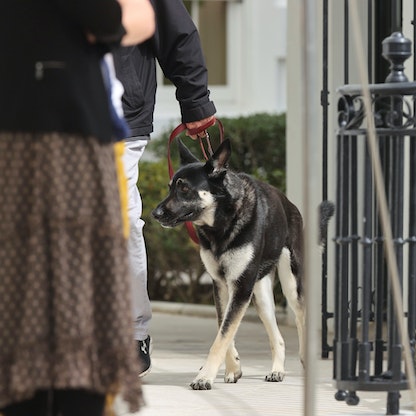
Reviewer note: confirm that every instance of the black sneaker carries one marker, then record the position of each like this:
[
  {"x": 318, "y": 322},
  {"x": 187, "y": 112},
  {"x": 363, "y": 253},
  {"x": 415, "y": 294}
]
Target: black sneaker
[{"x": 144, "y": 350}]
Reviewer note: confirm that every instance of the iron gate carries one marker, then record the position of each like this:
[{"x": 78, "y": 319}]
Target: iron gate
[{"x": 367, "y": 346}]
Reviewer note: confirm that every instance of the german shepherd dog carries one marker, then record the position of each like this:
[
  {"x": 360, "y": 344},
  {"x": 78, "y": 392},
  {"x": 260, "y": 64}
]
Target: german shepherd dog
[{"x": 247, "y": 230}]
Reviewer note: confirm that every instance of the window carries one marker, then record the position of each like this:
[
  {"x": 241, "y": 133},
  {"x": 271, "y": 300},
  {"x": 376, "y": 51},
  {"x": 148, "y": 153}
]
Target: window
[
  {"x": 219, "y": 23},
  {"x": 210, "y": 17}
]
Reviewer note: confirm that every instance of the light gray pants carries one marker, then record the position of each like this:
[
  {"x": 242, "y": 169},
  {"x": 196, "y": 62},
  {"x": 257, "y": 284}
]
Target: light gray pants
[{"x": 142, "y": 311}]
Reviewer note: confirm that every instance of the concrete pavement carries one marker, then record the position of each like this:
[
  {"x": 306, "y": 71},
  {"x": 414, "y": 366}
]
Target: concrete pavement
[{"x": 182, "y": 335}]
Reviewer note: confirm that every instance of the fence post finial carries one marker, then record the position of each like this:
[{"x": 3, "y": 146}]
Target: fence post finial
[{"x": 396, "y": 49}]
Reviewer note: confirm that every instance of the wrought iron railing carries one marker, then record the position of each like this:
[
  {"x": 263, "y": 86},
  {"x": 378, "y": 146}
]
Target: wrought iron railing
[{"x": 367, "y": 344}]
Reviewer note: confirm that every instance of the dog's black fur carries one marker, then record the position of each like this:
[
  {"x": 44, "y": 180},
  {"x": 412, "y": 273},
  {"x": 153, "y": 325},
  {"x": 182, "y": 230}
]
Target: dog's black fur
[{"x": 247, "y": 230}]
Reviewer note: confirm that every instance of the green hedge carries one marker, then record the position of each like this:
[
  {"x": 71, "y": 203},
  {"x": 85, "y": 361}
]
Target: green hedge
[
  {"x": 258, "y": 145},
  {"x": 175, "y": 269}
]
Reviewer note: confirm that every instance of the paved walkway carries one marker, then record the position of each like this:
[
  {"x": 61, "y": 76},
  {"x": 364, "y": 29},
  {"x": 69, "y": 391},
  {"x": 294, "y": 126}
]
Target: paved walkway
[{"x": 180, "y": 344}]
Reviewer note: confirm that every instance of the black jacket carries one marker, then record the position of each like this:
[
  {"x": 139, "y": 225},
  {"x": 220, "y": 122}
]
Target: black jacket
[
  {"x": 50, "y": 77},
  {"x": 176, "y": 46}
]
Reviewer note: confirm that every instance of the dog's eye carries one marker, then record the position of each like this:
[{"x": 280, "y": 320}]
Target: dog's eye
[{"x": 182, "y": 186}]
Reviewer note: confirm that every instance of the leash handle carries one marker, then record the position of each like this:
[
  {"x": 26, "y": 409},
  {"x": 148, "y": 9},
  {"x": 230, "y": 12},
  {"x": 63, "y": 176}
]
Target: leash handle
[
  {"x": 175, "y": 133},
  {"x": 193, "y": 132},
  {"x": 182, "y": 127}
]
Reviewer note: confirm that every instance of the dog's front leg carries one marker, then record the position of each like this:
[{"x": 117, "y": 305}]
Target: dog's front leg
[
  {"x": 223, "y": 342},
  {"x": 232, "y": 365},
  {"x": 232, "y": 359}
]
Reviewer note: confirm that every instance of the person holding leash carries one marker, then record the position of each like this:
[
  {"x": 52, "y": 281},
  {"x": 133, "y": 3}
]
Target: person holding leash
[
  {"x": 176, "y": 46},
  {"x": 65, "y": 313}
]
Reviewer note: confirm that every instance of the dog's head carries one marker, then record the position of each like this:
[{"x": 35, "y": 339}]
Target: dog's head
[{"x": 194, "y": 189}]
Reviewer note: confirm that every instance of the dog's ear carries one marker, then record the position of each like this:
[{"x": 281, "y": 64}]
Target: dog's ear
[
  {"x": 185, "y": 154},
  {"x": 218, "y": 162}
]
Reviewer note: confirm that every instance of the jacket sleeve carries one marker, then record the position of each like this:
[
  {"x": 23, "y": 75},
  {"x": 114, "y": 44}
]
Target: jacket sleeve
[
  {"x": 178, "y": 50},
  {"x": 102, "y": 18}
]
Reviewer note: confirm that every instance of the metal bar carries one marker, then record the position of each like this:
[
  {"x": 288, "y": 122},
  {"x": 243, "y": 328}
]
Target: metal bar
[
  {"x": 380, "y": 280},
  {"x": 396, "y": 16},
  {"x": 396, "y": 210},
  {"x": 370, "y": 11},
  {"x": 343, "y": 346},
  {"x": 414, "y": 39},
  {"x": 367, "y": 244},
  {"x": 325, "y": 348},
  {"x": 337, "y": 256},
  {"x": 354, "y": 316},
  {"x": 411, "y": 318},
  {"x": 411, "y": 304},
  {"x": 346, "y": 42},
  {"x": 401, "y": 88}
]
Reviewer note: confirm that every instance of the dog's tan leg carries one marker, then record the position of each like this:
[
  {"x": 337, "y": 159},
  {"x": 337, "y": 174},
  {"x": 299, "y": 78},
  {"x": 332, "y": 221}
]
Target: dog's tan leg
[
  {"x": 224, "y": 339},
  {"x": 264, "y": 301},
  {"x": 232, "y": 360},
  {"x": 232, "y": 365},
  {"x": 232, "y": 299},
  {"x": 290, "y": 290}
]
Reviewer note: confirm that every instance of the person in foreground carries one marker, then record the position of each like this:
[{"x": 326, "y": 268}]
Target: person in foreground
[
  {"x": 176, "y": 46},
  {"x": 65, "y": 312}
]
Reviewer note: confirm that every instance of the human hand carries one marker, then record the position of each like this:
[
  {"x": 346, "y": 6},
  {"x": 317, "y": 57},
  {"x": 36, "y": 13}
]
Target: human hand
[{"x": 198, "y": 128}]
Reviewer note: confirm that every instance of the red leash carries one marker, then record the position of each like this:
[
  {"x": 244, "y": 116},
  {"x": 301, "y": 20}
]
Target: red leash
[{"x": 176, "y": 132}]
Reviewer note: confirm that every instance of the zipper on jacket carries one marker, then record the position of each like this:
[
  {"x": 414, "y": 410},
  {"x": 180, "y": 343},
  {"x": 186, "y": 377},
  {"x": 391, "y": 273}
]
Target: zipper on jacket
[{"x": 40, "y": 67}]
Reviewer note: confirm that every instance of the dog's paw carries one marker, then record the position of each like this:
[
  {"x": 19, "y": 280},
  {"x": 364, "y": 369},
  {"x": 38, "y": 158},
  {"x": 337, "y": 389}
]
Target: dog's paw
[
  {"x": 201, "y": 384},
  {"x": 275, "y": 376},
  {"x": 233, "y": 377}
]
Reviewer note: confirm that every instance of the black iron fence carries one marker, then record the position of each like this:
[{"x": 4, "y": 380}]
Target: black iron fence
[
  {"x": 382, "y": 17},
  {"x": 366, "y": 345}
]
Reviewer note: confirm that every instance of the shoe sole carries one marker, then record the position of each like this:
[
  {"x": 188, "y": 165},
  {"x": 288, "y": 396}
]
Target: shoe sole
[{"x": 146, "y": 372}]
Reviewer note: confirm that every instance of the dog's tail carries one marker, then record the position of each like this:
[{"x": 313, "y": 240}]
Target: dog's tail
[{"x": 326, "y": 211}]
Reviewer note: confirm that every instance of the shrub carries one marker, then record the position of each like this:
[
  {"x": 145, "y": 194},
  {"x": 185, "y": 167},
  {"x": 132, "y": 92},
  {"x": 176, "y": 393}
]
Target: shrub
[{"x": 258, "y": 145}]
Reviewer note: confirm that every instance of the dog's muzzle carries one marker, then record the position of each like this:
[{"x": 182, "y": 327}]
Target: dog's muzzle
[
  {"x": 169, "y": 219},
  {"x": 164, "y": 217},
  {"x": 159, "y": 214}
]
